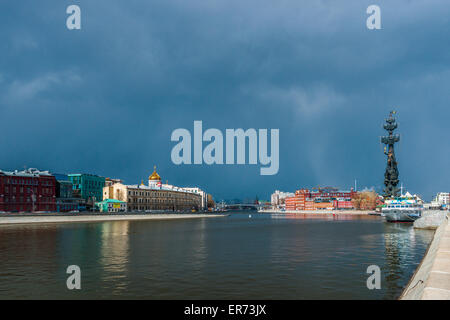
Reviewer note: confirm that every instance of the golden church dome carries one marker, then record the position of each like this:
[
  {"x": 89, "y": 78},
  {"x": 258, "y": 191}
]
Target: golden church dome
[{"x": 154, "y": 175}]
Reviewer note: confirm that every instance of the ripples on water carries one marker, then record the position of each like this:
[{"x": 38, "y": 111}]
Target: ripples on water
[{"x": 237, "y": 257}]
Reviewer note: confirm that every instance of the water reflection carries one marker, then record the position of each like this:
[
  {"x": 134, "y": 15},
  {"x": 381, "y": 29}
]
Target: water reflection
[
  {"x": 238, "y": 257},
  {"x": 114, "y": 253},
  {"x": 401, "y": 241},
  {"x": 199, "y": 249}
]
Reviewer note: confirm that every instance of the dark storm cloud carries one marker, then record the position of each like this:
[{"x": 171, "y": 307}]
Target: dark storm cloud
[{"x": 105, "y": 99}]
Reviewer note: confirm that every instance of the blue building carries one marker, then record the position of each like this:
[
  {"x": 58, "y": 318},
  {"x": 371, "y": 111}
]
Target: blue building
[
  {"x": 88, "y": 187},
  {"x": 65, "y": 201}
]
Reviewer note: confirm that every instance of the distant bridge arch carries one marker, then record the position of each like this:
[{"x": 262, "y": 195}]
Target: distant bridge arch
[{"x": 243, "y": 207}]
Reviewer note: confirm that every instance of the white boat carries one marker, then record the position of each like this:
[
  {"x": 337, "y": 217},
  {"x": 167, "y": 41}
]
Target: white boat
[{"x": 402, "y": 209}]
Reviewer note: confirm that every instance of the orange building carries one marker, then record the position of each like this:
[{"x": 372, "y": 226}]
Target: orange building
[
  {"x": 309, "y": 204},
  {"x": 290, "y": 203},
  {"x": 322, "y": 199},
  {"x": 323, "y": 206}
]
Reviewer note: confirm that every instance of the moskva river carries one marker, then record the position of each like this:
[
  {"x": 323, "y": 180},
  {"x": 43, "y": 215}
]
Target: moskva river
[{"x": 261, "y": 256}]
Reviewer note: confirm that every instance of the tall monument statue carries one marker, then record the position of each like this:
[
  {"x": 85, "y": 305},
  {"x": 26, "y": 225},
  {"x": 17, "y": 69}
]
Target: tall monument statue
[{"x": 391, "y": 174}]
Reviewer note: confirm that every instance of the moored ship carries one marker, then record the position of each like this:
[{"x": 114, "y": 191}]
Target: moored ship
[{"x": 402, "y": 209}]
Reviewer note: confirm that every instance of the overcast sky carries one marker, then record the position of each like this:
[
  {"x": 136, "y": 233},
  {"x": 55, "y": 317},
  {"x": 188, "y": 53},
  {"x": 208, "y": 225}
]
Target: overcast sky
[{"x": 105, "y": 99}]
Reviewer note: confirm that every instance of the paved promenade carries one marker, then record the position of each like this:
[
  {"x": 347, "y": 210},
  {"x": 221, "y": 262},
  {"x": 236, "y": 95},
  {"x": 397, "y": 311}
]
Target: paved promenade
[
  {"x": 432, "y": 278},
  {"x": 9, "y": 220}
]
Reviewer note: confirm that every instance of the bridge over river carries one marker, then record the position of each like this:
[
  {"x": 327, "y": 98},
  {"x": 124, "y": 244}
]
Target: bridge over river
[{"x": 243, "y": 207}]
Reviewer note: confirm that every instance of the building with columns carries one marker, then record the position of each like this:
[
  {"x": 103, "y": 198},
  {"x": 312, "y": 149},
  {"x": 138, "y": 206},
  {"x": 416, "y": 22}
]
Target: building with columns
[{"x": 154, "y": 196}]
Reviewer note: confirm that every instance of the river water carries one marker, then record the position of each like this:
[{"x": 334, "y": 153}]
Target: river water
[{"x": 261, "y": 256}]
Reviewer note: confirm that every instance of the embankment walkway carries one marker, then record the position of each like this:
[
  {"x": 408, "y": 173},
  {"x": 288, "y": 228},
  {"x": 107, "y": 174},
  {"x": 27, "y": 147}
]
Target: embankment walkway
[{"x": 431, "y": 280}]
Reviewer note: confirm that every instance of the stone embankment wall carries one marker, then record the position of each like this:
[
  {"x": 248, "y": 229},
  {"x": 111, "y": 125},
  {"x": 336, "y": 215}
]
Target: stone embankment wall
[{"x": 431, "y": 281}]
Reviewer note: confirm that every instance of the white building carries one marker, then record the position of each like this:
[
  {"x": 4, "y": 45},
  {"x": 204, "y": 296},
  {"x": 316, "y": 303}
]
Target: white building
[
  {"x": 155, "y": 196},
  {"x": 442, "y": 198},
  {"x": 277, "y": 198},
  {"x": 203, "y": 194},
  {"x": 413, "y": 196}
]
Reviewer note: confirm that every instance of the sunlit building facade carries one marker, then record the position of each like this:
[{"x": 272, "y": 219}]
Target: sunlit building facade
[
  {"x": 321, "y": 199},
  {"x": 277, "y": 198},
  {"x": 154, "y": 196}
]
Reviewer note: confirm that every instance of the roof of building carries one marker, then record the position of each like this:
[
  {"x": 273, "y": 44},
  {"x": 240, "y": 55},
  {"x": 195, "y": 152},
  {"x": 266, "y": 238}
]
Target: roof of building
[
  {"x": 407, "y": 194},
  {"x": 30, "y": 172},
  {"x": 61, "y": 177},
  {"x": 85, "y": 174},
  {"x": 163, "y": 187},
  {"x": 154, "y": 176},
  {"x": 111, "y": 200}
]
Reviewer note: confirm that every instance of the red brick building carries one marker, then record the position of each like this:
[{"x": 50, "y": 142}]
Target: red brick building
[
  {"x": 323, "y": 198},
  {"x": 30, "y": 190}
]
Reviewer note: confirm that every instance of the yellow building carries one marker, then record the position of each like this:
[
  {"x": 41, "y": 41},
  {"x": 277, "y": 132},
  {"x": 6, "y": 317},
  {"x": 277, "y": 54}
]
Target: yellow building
[{"x": 154, "y": 196}]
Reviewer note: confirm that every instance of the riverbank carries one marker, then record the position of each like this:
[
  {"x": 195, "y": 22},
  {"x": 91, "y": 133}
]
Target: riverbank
[
  {"x": 55, "y": 218},
  {"x": 431, "y": 281}
]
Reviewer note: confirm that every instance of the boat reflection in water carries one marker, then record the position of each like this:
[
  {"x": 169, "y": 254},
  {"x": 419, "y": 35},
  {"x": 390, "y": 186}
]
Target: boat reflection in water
[{"x": 401, "y": 241}]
